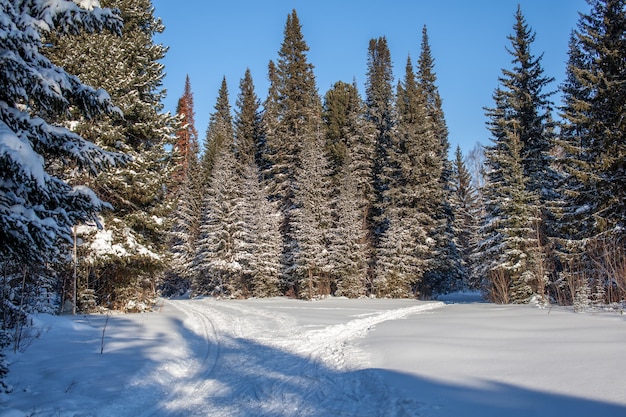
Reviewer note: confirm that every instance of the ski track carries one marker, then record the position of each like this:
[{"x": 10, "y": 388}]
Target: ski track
[{"x": 261, "y": 363}]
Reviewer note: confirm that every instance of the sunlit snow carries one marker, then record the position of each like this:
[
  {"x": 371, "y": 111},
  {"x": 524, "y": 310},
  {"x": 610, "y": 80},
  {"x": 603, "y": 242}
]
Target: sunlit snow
[{"x": 336, "y": 357}]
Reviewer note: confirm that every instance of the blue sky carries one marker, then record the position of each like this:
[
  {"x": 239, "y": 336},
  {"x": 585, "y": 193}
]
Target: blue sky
[{"x": 212, "y": 39}]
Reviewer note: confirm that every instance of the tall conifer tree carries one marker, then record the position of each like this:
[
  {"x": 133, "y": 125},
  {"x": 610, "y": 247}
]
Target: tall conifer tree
[
  {"x": 466, "y": 207},
  {"x": 292, "y": 119},
  {"x": 594, "y": 143},
  {"x": 350, "y": 140},
  {"x": 445, "y": 273},
  {"x": 128, "y": 67},
  {"x": 380, "y": 112},
  {"x": 248, "y": 128},
  {"x": 412, "y": 195},
  {"x": 186, "y": 134},
  {"x": 219, "y": 134}
]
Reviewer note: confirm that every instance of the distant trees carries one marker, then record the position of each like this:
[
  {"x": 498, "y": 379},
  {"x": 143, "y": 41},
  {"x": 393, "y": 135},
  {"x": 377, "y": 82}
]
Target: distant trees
[{"x": 310, "y": 195}]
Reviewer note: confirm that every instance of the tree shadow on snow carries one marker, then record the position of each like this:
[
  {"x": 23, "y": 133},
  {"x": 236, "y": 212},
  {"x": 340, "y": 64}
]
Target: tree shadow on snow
[{"x": 242, "y": 378}]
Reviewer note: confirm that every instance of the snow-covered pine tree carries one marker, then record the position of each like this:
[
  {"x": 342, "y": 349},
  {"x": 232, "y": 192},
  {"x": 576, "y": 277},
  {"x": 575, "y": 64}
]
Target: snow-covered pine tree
[
  {"x": 521, "y": 129},
  {"x": 262, "y": 241},
  {"x": 467, "y": 213},
  {"x": 530, "y": 106},
  {"x": 186, "y": 135},
  {"x": 446, "y": 271},
  {"x": 220, "y": 134},
  {"x": 249, "y": 135},
  {"x": 292, "y": 117},
  {"x": 349, "y": 245},
  {"x": 508, "y": 251},
  {"x": 218, "y": 267},
  {"x": 187, "y": 193},
  {"x": 380, "y": 112},
  {"x": 128, "y": 68},
  {"x": 311, "y": 222},
  {"x": 594, "y": 144},
  {"x": 37, "y": 207},
  {"x": 412, "y": 195},
  {"x": 350, "y": 140}
]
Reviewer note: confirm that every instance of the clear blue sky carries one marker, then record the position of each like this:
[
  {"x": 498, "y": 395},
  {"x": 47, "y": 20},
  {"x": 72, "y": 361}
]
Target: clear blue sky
[{"x": 212, "y": 39}]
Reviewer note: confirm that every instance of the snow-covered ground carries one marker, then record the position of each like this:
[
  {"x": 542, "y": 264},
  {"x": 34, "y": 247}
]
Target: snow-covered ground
[{"x": 336, "y": 357}]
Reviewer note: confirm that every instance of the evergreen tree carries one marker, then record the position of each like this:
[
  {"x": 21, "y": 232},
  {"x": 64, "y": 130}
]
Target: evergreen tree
[
  {"x": 510, "y": 245},
  {"x": 262, "y": 241},
  {"x": 311, "y": 223},
  {"x": 261, "y": 221},
  {"x": 349, "y": 245},
  {"x": 594, "y": 148},
  {"x": 593, "y": 111},
  {"x": 219, "y": 134},
  {"x": 220, "y": 253},
  {"x": 38, "y": 207},
  {"x": 516, "y": 202},
  {"x": 529, "y": 105},
  {"x": 248, "y": 126},
  {"x": 128, "y": 68},
  {"x": 350, "y": 144},
  {"x": 187, "y": 191},
  {"x": 186, "y": 134},
  {"x": 292, "y": 118},
  {"x": 446, "y": 272},
  {"x": 466, "y": 207},
  {"x": 379, "y": 110},
  {"x": 412, "y": 195},
  {"x": 508, "y": 250}
]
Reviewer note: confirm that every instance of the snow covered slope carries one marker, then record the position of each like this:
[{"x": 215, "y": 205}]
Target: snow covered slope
[{"x": 336, "y": 357}]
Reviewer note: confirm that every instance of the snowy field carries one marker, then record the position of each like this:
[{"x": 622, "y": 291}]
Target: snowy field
[{"x": 336, "y": 357}]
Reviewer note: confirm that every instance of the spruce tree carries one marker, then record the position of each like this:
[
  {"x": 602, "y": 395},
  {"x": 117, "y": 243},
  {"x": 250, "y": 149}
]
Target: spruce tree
[
  {"x": 186, "y": 134},
  {"x": 379, "y": 103},
  {"x": 292, "y": 118},
  {"x": 594, "y": 146},
  {"x": 128, "y": 68},
  {"x": 446, "y": 272},
  {"x": 262, "y": 241},
  {"x": 466, "y": 207},
  {"x": 311, "y": 223},
  {"x": 186, "y": 189},
  {"x": 593, "y": 112},
  {"x": 350, "y": 144},
  {"x": 38, "y": 207},
  {"x": 521, "y": 129},
  {"x": 262, "y": 244},
  {"x": 349, "y": 244},
  {"x": 219, "y": 134},
  {"x": 248, "y": 127},
  {"x": 412, "y": 195},
  {"x": 220, "y": 251},
  {"x": 507, "y": 253}
]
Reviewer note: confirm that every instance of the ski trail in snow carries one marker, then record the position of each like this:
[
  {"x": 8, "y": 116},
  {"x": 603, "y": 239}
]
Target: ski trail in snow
[
  {"x": 294, "y": 372},
  {"x": 328, "y": 344},
  {"x": 241, "y": 360}
]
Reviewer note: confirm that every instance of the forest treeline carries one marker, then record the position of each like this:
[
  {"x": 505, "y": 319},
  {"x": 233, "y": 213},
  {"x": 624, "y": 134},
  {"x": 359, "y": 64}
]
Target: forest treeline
[{"x": 106, "y": 201}]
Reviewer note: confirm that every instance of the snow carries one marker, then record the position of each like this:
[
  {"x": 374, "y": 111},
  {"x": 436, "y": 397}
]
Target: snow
[
  {"x": 22, "y": 154},
  {"x": 334, "y": 357}
]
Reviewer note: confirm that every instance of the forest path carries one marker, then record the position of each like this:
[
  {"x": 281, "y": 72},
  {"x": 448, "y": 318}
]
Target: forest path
[{"x": 261, "y": 361}]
